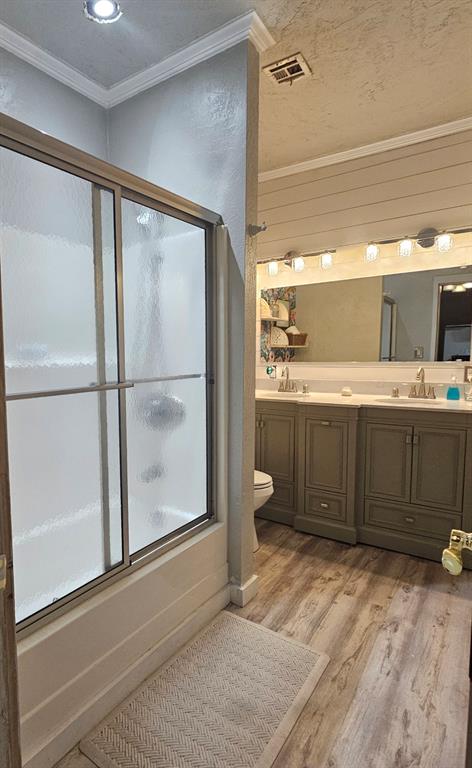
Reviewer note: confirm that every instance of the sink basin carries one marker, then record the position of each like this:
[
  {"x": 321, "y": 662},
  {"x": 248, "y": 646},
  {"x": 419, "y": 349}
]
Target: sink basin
[
  {"x": 283, "y": 395},
  {"x": 407, "y": 401}
]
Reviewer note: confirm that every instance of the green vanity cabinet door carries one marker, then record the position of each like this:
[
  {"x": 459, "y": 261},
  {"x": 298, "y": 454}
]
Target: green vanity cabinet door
[
  {"x": 438, "y": 467},
  {"x": 388, "y": 461},
  {"x": 326, "y": 451},
  {"x": 277, "y": 445}
]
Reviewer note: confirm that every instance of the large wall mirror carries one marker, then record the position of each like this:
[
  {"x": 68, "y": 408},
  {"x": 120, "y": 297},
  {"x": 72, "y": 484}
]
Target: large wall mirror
[{"x": 413, "y": 315}]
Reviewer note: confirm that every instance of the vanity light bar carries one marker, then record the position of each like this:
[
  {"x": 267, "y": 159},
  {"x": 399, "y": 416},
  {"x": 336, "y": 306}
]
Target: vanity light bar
[
  {"x": 372, "y": 252},
  {"x": 442, "y": 241},
  {"x": 405, "y": 247}
]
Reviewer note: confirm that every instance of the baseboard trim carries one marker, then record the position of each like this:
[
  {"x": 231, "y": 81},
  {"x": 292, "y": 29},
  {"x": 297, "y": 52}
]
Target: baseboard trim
[
  {"x": 330, "y": 530},
  {"x": 241, "y": 594},
  {"x": 60, "y": 742},
  {"x": 275, "y": 514},
  {"x": 401, "y": 542}
]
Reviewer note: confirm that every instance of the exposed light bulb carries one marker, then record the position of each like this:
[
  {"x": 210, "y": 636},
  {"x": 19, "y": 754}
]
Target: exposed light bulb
[
  {"x": 459, "y": 289},
  {"x": 102, "y": 11},
  {"x": 326, "y": 260},
  {"x": 273, "y": 268},
  {"x": 405, "y": 247},
  {"x": 372, "y": 252},
  {"x": 298, "y": 264},
  {"x": 104, "y": 8},
  {"x": 444, "y": 242},
  {"x": 448, "y": 287}
]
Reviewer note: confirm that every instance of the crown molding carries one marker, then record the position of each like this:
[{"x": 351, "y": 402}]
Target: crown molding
[
  {"x": 396, "y": 142},
  {"x": 23, "y": 48},
  {"x": 246, "y": 27}
]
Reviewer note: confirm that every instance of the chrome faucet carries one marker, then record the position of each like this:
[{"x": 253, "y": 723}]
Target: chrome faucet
[
  {"x": 286, "y": 385},
  {"x": 420, "y": 378},
  {"x": 420, "y": 392}
]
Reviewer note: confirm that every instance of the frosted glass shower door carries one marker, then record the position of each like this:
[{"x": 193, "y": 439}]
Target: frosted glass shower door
[
  {"x": 164, "y": 287},
  {"x": 58, "y": 285}
]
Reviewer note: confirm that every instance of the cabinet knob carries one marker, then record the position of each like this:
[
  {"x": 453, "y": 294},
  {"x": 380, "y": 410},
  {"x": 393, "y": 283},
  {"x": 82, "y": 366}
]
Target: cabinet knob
[
  {"x": 409, "y": 519},
  {"x": 324, "y": 505},
  {"x": 325, "y": 423}
]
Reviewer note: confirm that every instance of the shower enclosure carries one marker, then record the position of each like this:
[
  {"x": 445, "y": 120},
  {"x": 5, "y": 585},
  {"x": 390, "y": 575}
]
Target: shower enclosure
[{"x": 107, "y": 287}]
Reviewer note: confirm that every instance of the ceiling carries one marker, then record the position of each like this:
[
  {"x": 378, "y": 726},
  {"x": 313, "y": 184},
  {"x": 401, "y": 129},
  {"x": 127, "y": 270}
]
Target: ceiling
[{"x": 380, "y": 67}]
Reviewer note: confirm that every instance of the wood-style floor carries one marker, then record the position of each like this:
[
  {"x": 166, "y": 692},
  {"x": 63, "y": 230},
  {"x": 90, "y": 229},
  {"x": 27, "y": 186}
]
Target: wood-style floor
[{"x": 397, "y": 630}]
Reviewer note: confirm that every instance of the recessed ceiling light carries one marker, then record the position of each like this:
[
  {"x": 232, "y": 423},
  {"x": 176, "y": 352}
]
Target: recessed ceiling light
[{"x": 102, "y": 11}]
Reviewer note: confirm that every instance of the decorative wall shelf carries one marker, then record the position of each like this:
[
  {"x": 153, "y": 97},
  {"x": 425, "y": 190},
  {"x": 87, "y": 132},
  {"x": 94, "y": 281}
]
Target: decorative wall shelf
[
  {"x": 281, "y": 323},
  {"x": 289, "y": 346}
]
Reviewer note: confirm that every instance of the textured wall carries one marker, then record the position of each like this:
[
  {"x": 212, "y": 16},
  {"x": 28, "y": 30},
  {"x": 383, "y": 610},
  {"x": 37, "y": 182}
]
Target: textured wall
[
  {"x": 381, "y": 68},
  {"x": 35, "y": 98},
  {"x": 351, "y": 331}
]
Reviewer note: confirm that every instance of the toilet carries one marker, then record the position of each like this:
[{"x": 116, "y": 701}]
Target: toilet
[{"x": 263, "y": 490}]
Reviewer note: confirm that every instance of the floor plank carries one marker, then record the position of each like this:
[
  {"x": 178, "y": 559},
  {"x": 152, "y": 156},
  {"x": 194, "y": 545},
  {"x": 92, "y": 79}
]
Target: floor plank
[{"x": 397, "y": 629}]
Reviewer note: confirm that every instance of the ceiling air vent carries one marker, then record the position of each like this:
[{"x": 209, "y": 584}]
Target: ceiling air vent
[{"x": 289, "y": 69}]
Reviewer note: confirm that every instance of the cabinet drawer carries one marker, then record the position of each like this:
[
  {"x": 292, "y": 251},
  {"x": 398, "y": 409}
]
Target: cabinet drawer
[
  {"x": 414, "y": 520},
  {"x": 284, "y": 495},
  {"x": 325, "y": 505}
]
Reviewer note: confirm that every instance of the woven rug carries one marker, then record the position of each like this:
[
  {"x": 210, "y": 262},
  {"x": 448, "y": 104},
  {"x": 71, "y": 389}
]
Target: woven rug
[{"x": 228, "y": 699}]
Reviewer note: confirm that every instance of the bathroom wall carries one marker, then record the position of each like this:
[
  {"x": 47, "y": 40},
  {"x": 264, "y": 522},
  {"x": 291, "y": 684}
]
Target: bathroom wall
[
  {"x": 31, "y": 96},
  {"x": 352, "y": 331},
  {"x": 196, "y": 135},
  {"x": 414, "y": 295},
  {"x": 386, "y": 195}
]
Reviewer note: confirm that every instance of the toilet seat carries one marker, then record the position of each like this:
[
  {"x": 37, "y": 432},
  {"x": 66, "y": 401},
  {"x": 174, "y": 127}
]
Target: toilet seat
[{"x": 261, "y": 480}]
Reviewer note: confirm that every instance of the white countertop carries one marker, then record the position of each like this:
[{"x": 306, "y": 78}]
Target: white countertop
[{"x": 362, "y": 401}]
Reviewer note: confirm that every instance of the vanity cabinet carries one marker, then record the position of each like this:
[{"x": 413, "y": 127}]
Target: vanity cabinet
[
  {"x": 275, "y": 454},
  {"x": 412, "y": 485},
  {"x": 438, "y": 467},
  {"x": 326, "y": 444},
  {"x": 417, "y": 465},
  {"x": 326, "y": 471},
  {"x": 388, "y": 454},
  {"x": 396, "y": 478}
]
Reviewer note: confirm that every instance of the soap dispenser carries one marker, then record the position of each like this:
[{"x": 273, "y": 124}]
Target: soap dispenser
[{"x": 453, "y": 391}]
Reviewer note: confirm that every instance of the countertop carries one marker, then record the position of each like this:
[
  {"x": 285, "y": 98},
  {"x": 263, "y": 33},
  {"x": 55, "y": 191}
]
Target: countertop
[{"x": 365, "y": 401}]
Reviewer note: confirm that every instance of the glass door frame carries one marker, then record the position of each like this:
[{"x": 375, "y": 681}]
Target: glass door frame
[{"x": 29, "y": 142}]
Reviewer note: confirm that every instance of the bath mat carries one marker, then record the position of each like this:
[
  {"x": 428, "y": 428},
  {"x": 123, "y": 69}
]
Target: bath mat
[{"x": 228, "y": 699}]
